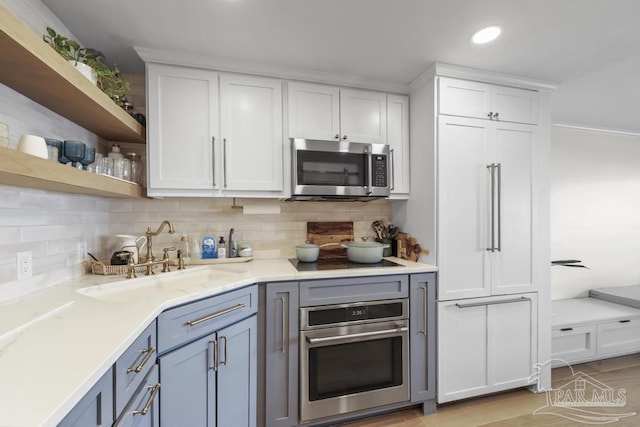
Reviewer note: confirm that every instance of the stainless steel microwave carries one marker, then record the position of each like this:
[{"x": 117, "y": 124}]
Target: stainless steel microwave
[{"x": 339, "y": 169}]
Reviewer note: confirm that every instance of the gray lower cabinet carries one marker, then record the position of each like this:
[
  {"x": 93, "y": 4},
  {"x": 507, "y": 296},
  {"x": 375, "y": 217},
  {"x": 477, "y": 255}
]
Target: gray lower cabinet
[
  {"x": 95, "y": 408},
  {"x": 422, "y": 338},
  {"x": 211, "y": 381},
  {"x": 279, "y": 350},
  {"x": 143, "y": 409}
]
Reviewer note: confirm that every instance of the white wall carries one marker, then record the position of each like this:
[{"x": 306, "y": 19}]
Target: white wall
[{"x": 595, "y": 210}]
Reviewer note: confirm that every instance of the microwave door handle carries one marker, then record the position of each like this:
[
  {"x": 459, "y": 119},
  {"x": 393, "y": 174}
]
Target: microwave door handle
[{"x": 367, "y": 151}]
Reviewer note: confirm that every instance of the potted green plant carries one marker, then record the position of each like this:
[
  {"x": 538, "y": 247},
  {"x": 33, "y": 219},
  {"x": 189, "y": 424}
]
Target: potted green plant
[
  {"x": 109, "y": 80},
  {"x": 71, "y": 51}
]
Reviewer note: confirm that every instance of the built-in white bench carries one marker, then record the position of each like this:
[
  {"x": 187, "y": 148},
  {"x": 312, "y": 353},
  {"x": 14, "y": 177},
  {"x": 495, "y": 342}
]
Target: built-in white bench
[{"x": 586, "y": 329}]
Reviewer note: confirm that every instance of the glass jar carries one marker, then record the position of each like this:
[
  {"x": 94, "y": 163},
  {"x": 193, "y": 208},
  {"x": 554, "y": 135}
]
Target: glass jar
[
  {"x": 135, "y": 167},
  {"x": 126, "y": 169},
  {"x": 118, "y": 168}
]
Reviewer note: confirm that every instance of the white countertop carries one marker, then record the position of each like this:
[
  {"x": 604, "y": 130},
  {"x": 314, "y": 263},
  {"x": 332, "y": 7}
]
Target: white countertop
[{"x": 57, "y": 342}]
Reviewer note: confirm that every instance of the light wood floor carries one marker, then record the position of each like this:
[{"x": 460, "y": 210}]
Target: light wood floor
[{"x": 516, "y": 408}]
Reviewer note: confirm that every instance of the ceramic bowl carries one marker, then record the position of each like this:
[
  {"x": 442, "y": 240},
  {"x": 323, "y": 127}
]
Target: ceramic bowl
[{"x": 33, "y": 145}]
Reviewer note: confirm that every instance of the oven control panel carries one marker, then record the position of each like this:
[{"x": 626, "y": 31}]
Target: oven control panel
[{"x": 341, "y": 314}]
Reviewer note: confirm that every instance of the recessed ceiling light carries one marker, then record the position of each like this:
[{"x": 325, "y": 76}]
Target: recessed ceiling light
[{"x": 486, "y": 35}]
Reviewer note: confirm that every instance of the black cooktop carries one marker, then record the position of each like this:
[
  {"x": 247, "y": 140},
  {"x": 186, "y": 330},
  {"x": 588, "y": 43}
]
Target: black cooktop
[{"x": 337, "y": 264}]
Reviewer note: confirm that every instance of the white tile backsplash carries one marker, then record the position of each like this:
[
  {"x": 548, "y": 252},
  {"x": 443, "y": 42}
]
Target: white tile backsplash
[{"x": 272, "y": 235}]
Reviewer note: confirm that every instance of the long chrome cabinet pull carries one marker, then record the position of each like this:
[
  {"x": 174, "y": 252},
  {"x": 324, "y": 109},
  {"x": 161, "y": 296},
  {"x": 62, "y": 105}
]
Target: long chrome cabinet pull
[
  {"x": 393, "y": 170},
  {"x": 424, "y": 310},
  {"x": 214, "y": 315},
  {"x": 494, "y": 208},
  {"x": 358, "y": 335},
  {"x": 226, "y": 344},
  {"x": 147, "y": 406},
  {"x": 499, "y": 191},
  {"x": 482, "y": 304},
  {"x": 212, "y": 348},
  {"x": 149, "y": 351},
  {"x": 283, "y": 347},
  {"x": 492, "y": 168},
  {"x": 224, "y": 161},
  {"x": 213, "y": 159}
]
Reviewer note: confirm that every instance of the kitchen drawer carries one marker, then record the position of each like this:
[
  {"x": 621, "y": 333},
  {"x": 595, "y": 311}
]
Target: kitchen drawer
[
  {"x": 338, "y": 291},
  {"x": 143, "y": 410},
  {"x": 616, "y": 338},
  {"x": 573, "y": 344},
  {"x": 186, "y": 323},
  {"x": 133, "y": 366}
]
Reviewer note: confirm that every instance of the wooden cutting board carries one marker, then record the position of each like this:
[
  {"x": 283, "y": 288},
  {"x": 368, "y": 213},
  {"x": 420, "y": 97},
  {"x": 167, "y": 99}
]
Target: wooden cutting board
[{"x": 320, "y": 233}]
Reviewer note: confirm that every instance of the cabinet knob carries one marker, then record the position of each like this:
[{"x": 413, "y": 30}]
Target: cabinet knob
[
  {"x": 495, "y": 115},
  {"x": 490, "y": 115},
  {"x": 337, "y": 136},
  {"x": 344, "y": 137}
]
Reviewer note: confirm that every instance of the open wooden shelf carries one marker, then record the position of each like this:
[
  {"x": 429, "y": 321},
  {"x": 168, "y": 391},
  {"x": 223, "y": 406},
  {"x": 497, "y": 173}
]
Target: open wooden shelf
[
  {"x": 24, "y": 170},
  {"x": 33, "y": 68}
]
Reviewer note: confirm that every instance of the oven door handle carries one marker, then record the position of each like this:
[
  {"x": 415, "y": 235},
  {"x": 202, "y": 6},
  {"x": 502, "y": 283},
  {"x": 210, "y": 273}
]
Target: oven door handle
[{"x": 356, "y": 335}]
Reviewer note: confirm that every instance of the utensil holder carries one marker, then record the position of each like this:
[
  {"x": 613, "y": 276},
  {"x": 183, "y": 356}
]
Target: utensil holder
[{"x": 386, "y": 251}]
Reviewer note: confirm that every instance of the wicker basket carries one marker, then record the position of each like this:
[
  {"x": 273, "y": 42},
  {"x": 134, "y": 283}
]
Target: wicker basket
[{"x": 105, "y": 269}]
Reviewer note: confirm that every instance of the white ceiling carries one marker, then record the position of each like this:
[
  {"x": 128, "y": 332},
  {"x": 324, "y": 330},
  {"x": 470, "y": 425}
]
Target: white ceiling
[{"x": 589, "y": 47}]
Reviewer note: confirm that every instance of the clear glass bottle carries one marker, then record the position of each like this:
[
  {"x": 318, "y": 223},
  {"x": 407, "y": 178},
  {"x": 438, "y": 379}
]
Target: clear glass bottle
[
  {"x": 186, "y": 247},
  {"x": 126, "y": 169},
  {"x": 135, "y": 167},
  {"x": 115, "y": 152}
]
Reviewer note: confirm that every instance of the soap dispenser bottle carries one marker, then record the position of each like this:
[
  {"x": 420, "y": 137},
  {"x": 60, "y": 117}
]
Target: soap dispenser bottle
[
  {"x": 222, "y": 249},
  {"x": 185, "y": 247},
  {"x": 208, "y": 247}
]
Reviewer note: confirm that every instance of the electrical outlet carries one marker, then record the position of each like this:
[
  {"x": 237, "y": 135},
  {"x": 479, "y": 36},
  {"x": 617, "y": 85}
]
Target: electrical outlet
[
  {"x": 24, "y": 264},
  {"x": 82, "y": 251}
]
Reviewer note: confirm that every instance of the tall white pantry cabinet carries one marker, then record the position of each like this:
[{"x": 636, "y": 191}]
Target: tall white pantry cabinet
[{"x": 480, "y": 151}]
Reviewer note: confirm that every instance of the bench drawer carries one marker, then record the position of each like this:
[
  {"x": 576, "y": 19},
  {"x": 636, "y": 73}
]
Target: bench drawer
[
  {"x": 186, "y": 323},
  {"x": 573, "y": 344},
  {"x": 616, "y": 338}
]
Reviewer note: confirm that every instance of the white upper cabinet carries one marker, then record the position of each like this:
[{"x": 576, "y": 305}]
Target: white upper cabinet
[
  {"x": 314, "y": 111},
  {"x": 183, "y": 122},
  {"x": 398, "y": 140},
  {"x": 363, "y": 116},
  {"x": 329, "y": 113},
  {"x": 251, "y": 131},
  {"x": 486, "y": 101},
  {"x": 213, "y": 135}
]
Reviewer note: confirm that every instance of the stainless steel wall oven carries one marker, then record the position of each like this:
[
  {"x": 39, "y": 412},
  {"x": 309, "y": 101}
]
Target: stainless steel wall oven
[{"x": 353, "y": 357}]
